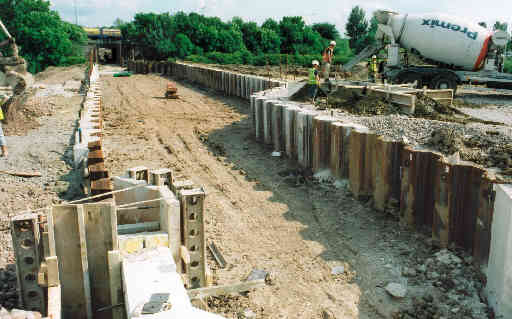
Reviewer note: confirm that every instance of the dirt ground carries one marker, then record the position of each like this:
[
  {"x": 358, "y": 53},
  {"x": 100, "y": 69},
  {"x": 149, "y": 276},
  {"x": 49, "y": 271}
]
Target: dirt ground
[
  {"x": 40, "y": 140},
  {"x": 262, "y": 218}
]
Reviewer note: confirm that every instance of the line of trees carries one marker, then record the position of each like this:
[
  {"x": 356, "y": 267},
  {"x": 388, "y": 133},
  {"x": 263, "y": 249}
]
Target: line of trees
[
  {"x": 43, "y": 38},
  {"x": 197, "y": 37}
]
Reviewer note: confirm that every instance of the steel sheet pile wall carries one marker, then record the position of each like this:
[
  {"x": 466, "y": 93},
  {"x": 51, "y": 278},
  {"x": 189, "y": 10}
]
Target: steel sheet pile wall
[
  {"x": 88, "y": 148},
  {"x": 230, "y": 83},
  {"x": 452, "y": 201}
]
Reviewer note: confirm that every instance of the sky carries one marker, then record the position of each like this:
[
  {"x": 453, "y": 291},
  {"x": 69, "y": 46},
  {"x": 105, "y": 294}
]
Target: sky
[{"x": 104, "y": 12}]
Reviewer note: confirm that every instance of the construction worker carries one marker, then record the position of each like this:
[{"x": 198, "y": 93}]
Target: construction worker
[
  {"x": 373, "y": 69},
  {"x": 3, "y": 143},
  {"x": 314, "y": 80},
  {"x": 327, "y": 58}
]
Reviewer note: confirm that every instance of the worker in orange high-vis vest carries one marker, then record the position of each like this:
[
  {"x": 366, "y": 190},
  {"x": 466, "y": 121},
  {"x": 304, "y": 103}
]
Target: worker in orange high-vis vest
[
  {"x": 327, "y": 58},
  {"x": 3, "y": 143}
]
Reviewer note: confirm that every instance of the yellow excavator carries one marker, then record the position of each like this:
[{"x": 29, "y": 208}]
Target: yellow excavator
[{"x": 14, "y": 69}]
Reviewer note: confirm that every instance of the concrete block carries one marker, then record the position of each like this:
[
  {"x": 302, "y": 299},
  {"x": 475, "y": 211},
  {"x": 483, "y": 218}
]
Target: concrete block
[
  {"x": 156, "y": 239},
  {"x": 25, "y": 237},
  {"x": 160, "y": 279},
  {"x": 129, "y": 244},
  {"x": 499, "y": 270}
]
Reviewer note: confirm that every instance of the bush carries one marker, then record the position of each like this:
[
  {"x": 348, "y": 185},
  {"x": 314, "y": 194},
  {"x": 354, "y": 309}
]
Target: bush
[
  {"x": 508, "y": 65},
  {"x": 73, "y": 60},
  {"x": 246, "y": 57}
]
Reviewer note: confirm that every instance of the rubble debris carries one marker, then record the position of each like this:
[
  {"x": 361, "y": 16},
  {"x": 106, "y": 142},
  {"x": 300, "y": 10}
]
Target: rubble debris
[{"x": 396, "y": 290}]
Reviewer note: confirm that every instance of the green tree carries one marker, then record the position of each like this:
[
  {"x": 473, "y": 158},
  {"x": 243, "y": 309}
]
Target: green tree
[
  {"x": 292, "y": 33},
  {"x": 483, "y": 24},
  {"x": 271, "y": 24},
  {"x": 42, "y": 37},
  {"x": 270, "y": 41},
  {"x": 252, "y": 37},
  {"x": 327, "y": 30},
  {"x": 357, "y": 27},
  {"x": 117, "y": 23}
]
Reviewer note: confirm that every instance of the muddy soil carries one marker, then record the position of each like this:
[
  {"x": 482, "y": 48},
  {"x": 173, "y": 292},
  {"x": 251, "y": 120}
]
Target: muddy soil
[{"x": 263, "y": 216}]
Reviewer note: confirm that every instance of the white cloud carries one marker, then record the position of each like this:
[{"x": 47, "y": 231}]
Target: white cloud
[{"x": 104, "y": 12}]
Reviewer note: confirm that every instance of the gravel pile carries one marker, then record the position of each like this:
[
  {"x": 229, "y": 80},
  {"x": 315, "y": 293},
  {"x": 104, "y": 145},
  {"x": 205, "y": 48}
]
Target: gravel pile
[
  {"x": 459, "y": 281},
  {"x": 48, "y": 150}
]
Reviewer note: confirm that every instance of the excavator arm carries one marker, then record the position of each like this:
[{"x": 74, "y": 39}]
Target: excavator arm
[
  {"x": 9, "y": 41},
  {"x": 2, "y": 26}
]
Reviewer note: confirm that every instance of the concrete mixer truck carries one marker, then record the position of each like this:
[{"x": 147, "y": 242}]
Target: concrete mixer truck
[{"x": 457, "y": 51}]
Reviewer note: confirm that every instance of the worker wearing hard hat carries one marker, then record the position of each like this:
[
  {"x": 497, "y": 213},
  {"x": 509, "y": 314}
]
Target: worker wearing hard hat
[
  {"x": 313, "y": 80},
  {"x": 373, "y": 69},
  {"x": 327, "y": 57},
  {"x": 3, "y": 144}
]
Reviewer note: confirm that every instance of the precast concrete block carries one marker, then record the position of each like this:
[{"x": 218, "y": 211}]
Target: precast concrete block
[
  {"x": 26, "y": 240},
  {"x": 499, "y": 271},
  {"x": 193, "y": 235}
]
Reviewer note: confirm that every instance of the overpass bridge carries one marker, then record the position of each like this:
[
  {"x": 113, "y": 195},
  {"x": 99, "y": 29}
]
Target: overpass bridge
[{"x": 107, "y": 38}]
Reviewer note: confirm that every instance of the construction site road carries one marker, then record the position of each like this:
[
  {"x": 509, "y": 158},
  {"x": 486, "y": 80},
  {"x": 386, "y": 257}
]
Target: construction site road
[{"x": 328, "y": 255}]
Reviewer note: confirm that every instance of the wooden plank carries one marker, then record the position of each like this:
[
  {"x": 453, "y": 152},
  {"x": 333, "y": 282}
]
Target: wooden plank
[
  {"x": 170, "y": 222},
  {"x": 71, "y": 247},
  {"x": 54, "y": 302},
  {"x": 225, "y": 290},
  {"x": 217, "y": 255},
  {"x": 52, "y": 264},
  {"x": 101, "y": 231},
  {"x": 115, "y": 283}
]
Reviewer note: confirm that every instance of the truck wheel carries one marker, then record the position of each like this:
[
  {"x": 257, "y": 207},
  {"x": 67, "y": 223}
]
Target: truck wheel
[
  {"x": 444, "y": 81},
  {"x": 410, "y": 77}
]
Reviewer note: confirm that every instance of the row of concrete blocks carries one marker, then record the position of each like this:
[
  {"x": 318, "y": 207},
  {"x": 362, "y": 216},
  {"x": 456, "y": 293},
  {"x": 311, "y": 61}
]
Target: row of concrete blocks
[
  {"x": 232, "y": 84},
  {"x": 88, "y": 148},
  {"x": 454, "y": 201}
]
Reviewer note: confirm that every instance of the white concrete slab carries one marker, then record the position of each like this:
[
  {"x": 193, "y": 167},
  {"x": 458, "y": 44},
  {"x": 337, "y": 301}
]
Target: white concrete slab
[{"x": 499, "y": 270}]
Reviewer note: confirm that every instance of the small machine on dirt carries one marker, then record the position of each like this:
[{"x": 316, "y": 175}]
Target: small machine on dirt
[{"x": 171, "y": 92}]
